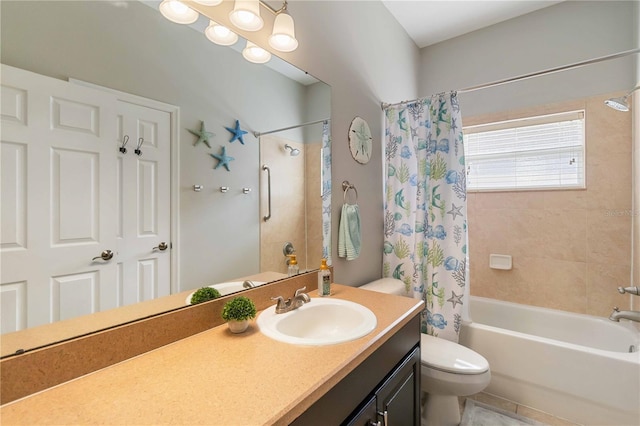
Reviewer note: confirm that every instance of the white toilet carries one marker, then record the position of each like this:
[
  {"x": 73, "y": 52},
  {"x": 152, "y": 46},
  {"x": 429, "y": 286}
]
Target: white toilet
[{"x": 449, "y": 370}]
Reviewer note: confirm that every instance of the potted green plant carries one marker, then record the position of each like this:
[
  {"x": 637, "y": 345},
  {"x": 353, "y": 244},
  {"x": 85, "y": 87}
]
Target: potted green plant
[
  {"x": 204, "y": 294},
  {"x": 237, "y": 313}
]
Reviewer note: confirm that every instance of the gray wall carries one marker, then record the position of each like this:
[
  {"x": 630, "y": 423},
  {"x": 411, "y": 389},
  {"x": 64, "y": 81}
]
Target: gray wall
[
  {"x": 366, "y": 57},
  {"x": 359, "y": 49},
  {"x": 558, "y": 35}
]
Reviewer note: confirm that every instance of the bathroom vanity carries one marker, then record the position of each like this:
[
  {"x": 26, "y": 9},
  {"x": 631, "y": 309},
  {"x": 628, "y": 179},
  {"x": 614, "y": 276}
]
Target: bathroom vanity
[{"x": 216, "y": 377}]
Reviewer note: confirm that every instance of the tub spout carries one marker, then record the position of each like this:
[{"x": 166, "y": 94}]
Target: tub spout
[{"x": 617, "y": 314}]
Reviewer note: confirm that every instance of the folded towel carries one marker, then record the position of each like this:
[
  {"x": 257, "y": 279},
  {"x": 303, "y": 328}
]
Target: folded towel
[{"x": 349, "y": 238}]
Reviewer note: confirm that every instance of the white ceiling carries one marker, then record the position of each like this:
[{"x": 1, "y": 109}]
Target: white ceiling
[{"x": 430, "y": 21}]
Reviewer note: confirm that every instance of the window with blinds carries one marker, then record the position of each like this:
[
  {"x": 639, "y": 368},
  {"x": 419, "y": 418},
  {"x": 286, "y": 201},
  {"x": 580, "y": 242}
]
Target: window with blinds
[{"x": 544, "y": 152}]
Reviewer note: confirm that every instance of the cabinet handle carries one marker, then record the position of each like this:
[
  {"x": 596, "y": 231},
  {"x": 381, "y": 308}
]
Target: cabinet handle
[
  {"x": 372, "y": 423},
  {"x": 385, "y": 417}
]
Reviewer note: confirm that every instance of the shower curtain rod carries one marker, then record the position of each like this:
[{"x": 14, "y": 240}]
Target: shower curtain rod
[
  {"x": 258, "y": 134},
  {"x": 531, "y": 75}
]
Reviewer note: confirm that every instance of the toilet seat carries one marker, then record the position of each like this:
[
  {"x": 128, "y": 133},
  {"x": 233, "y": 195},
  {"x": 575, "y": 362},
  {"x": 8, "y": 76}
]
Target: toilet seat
[{"x": 450, "y": 357}]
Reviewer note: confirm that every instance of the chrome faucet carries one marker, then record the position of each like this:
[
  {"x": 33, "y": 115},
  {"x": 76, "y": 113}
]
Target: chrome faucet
[
  {"x": 617, "y": 314},
  {"x": 299, "y": 299},
  {"x": 631, "y": 290},
  {"x": 248, "y": 284}
]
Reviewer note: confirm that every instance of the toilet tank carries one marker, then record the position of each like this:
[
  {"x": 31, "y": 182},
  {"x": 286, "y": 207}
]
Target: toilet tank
[{"x": 387, "y": 285}]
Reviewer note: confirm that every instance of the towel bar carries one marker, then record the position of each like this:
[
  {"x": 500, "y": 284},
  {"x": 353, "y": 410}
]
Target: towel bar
[{"x": 346, "y": 186}]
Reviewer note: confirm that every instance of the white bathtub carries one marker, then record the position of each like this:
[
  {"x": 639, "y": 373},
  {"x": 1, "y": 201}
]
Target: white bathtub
[{"x": 573, "y": 366}]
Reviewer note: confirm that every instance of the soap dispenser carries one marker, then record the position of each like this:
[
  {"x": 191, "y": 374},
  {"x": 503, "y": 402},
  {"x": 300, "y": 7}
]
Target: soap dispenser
[
  {"x": 293, "y": 268},
  {"x": 324, "y": 279}
]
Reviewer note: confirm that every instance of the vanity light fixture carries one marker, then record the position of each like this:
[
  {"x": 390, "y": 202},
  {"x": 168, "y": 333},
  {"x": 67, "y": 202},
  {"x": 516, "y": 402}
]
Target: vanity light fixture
[
  {"x": 246, "y": 15},
  {"x": 219, "y": 34},
  {"x": 208, "y": 2},
  {"x": 178, "y": 12},
  {"x": 255, "y": 54},
  {"x": 283, "y": 37}
]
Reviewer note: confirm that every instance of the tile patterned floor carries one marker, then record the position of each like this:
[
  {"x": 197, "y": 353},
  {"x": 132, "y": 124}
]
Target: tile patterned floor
[{"x": 518, "y": 409}]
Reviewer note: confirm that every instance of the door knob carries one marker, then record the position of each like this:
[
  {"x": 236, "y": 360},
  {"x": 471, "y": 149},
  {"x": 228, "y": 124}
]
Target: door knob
[
  {"x": 105, "y": 255},
  {"x": 162, "y": 246}
]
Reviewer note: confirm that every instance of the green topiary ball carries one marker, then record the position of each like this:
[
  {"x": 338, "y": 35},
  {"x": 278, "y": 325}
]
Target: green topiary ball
[
  {"x": 204, "y": 294},
  {"x": 239, "y": 308}
]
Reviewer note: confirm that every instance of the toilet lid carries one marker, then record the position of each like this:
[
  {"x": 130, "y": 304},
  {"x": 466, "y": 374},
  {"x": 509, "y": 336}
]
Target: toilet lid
[{"x": 451, "y": 357}]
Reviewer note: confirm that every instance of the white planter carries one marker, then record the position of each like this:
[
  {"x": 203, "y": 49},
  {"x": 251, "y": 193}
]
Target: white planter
[{"x": 238, "y": 326}]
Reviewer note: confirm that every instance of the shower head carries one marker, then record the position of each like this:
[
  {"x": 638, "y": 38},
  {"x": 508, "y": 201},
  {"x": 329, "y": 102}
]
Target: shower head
[
  {"x": 292, "y": 151},
  {"x": 620, "y": 104}
]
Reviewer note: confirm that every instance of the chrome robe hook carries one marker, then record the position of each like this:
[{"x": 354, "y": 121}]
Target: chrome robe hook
[
  {"x": 122, "y": 149},
  {"x": 137, "y": 150}
]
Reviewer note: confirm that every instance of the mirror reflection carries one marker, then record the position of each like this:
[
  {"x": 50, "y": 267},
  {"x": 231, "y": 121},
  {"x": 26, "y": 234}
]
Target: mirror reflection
[{"x": 201, "y": 224}]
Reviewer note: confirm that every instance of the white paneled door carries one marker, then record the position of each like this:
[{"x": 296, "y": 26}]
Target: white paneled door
[
  {"x": 143, "y": 185},
  {"x": 72, "y": 203}
]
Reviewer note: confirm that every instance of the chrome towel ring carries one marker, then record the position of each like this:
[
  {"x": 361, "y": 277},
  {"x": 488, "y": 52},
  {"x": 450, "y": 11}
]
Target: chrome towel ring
[{"x": 346, "y": 186}]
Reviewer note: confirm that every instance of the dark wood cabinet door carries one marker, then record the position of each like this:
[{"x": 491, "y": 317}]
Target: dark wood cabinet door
[{"x": 398, "y": 399}]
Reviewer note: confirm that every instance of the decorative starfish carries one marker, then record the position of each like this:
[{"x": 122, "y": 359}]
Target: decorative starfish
[
  {"x": 223, "y": 159},
  {"x": 202, "y": 134},
  {"x": 455, "y": 299},
  {"x": 237, "y": 133},
  {"x": 455, "y": 211}
]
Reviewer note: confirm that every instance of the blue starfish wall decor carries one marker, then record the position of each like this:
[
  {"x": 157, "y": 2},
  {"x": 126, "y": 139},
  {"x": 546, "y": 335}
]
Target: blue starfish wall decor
[
  {"x": 237, "y": 133},
  {"x": 202, "y": 134},
  {"x": 223, "y": 159}
]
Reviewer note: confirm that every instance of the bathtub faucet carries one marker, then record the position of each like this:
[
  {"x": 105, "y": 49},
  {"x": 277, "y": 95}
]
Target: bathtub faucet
[
  {"x": 631, "y": 290},
  {"x": 630, "y": 315}
]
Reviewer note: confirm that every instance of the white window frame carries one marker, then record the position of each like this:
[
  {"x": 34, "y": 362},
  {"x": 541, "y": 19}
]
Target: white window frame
[{"x": 518, "y": 150}]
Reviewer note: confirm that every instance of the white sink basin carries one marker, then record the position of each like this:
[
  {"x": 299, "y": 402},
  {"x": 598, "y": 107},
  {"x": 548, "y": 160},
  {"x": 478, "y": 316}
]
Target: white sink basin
[
  {"x": 227, "y": 288},
  {"x": 322, "y": 321}
]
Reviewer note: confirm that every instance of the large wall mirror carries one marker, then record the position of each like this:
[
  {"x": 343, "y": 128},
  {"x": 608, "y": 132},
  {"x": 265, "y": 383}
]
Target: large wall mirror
[{"x": 215, "y": 227}]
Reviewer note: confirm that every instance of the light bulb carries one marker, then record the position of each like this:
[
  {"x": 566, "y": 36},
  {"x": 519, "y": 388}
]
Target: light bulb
[
  {"x": 255, "y": 54},
  {"x": 178, "y": 12},
  {"x": 208, "y": 2},
  {"x": 220, "y": 34},
  {"x": 283, "y": 36},
  {"x": 246, "y": 15}
]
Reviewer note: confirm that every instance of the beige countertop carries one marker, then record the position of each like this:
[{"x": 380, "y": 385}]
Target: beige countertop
[
  {"x": 35, "y": 337},
  {"x": 215, "y": 377}
]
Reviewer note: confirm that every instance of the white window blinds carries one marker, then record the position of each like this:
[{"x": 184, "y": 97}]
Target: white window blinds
[{"x": 545, "y": 152}]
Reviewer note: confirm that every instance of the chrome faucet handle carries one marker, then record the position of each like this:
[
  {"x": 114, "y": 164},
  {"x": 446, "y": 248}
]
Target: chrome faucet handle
[
  {"x": 279, "y": 299},
  {"x": 300, "y": 297},
  {"x": 282, "y": 306}
]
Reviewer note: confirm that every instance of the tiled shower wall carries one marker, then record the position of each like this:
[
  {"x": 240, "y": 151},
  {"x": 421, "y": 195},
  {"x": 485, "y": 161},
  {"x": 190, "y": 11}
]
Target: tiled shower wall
[
  {"x": 571, "y": 249},
  {"x": 296, "y": 204},
  {"x": 287, "y": 222}
]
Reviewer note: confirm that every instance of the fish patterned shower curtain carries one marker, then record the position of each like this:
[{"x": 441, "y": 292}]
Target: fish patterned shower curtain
[{"x": 425, "y": 208}]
